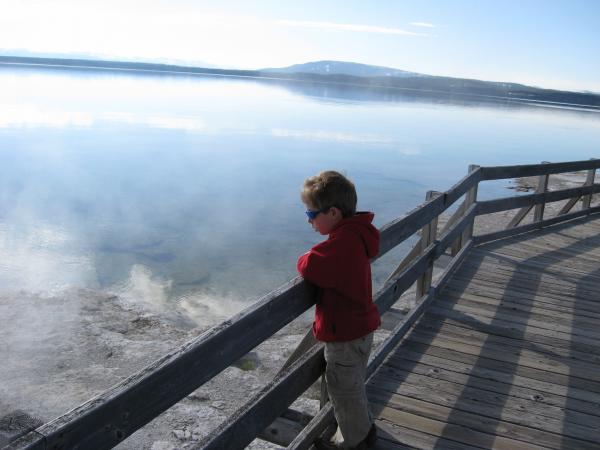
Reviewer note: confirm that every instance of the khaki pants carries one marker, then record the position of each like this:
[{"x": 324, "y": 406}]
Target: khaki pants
[{"x": 345, "y": 376}]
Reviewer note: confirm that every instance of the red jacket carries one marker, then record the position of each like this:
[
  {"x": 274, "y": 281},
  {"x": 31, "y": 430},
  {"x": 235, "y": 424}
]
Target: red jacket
[{"x": 341, "y": 267}]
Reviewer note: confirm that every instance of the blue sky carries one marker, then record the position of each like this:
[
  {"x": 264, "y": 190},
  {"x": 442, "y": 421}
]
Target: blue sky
[{"x": 550, "y": 43}]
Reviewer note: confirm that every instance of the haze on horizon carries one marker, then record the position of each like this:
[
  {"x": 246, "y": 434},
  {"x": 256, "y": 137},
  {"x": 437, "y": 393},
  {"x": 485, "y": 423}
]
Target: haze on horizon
[{"x": 549, "y": 44}]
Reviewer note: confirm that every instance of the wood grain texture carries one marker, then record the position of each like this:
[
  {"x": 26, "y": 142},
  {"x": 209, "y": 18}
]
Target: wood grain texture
[{"x": 508, "y": 353}]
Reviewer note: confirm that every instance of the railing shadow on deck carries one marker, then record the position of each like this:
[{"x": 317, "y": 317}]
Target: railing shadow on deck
[
  {"x": 488, "y": 381},
  {"x": 487, "y": 358},
  {"x": 583, "y": 293},
  {"x": 106, "y": 420}
]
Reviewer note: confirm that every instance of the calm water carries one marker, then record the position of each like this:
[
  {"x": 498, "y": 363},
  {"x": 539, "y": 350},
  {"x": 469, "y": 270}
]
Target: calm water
[{"x": 184, "y": 191}]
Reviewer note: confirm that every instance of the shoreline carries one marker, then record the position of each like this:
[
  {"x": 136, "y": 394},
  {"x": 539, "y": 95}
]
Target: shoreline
[{"x": 418, "y": 85}]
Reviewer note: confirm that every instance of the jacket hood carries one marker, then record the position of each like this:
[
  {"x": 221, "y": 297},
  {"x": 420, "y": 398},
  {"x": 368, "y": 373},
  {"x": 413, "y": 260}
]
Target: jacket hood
[{"x": 361, "y": 223}]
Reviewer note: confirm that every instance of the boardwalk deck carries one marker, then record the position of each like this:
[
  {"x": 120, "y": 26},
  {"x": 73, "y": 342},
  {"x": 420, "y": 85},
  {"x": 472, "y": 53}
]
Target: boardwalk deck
[{"x": 508, "y": 354}]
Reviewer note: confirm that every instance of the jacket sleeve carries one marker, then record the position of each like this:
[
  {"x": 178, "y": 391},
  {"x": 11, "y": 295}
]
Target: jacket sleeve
[{"x": 321, "y": 265}]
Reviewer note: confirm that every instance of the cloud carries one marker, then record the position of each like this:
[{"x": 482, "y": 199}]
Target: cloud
[
  {"x": 347, "y": 27},
  {"x": 422, "y": 24}
]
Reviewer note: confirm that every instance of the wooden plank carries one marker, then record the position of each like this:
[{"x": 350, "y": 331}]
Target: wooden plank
[
  {"x": 525, "y": 202},
  {"x": 551, "y": 264},
  {"x": 454, "y": 217},
  {"x": 542, "y": 187},
  {"x": 307, "y": 342},
  {"x": 582, "y": 268},
  {"x": 569, "y": 205},
  {"x": 31, "y": 441},
  {"x": 533, "y": 319},
  {"x": 488, "y": 404},
  {"x": 525, "y": 305},
  {"x": 516, "y": 220},
  {"x": 442, "y": 380},
  {"x": 453, "y": 432},
  {"x": 470, "y": 199},
  {"x": 455, "y": 331},
  {"x": 566, "y": 290},
  {"x": 582, "y": 342},
  {"x": 500, "y": 260},
  {"x": 524, "y": 357},
  {"x": 548, "y": 246},
  {"x": 480, "y": 239},
  {"x": 536, "y": 303},
  {"x": 530, "y": 257},
  {"x": 524, "y": 310},
  {"x": 410, "y": 257},
  {"x": 313, "y": 430},
  {"x": 578, "y": 388},
  {"x": 428, "y": 235},
  {"x": 391, "y": 434},
  {"x": 530, "y": 170},
  {"x": 561, "y": 300},
  {"x": 492, "y": 380},
  {"x": 501, "y": 272},
  {"x": 498, "y": 271},
  {"x": 473, "y": 421},
  {"x": 535, "y": 336},
  {"x": 589, "y": 180}
]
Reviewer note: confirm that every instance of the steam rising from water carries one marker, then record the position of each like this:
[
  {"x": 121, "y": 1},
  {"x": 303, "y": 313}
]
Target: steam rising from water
[
  {"x": 142, "y": 287},
  {"x": 156, "y": 295}
]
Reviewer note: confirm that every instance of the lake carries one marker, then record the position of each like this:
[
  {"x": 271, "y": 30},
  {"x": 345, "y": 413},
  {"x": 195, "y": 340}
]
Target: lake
[{"x": 174, "y": 190}]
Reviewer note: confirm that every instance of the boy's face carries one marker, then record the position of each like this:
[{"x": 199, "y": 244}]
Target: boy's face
[{"x": 325, "y": 221}]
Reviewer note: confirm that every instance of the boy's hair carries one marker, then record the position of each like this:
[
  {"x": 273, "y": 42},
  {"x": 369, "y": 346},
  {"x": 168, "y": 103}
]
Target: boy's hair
[{"x": 328, "y": 189}]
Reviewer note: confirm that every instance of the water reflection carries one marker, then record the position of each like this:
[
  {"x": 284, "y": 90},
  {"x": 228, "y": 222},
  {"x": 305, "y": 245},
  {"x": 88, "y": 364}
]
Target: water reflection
[{"x": 184, "y": 190}]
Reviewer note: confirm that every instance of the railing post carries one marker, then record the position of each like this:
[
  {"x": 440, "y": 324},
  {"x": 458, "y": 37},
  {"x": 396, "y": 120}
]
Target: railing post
[
  {"x": 471, "y": 197},
  {"x": 538, "y": 212},
  {"x": 589, "y": 181},
  {"x": 428, "y": 235}
]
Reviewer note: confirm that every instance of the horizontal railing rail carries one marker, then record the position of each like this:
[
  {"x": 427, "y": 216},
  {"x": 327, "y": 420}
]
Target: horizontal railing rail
[
  {"x": 505, "y": 204},
  {"x": 107, "y": 419},
  {"x": 530, "y": 170}
]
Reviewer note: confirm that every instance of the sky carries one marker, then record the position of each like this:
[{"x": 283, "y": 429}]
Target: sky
[{"x": 545, "y": 43}]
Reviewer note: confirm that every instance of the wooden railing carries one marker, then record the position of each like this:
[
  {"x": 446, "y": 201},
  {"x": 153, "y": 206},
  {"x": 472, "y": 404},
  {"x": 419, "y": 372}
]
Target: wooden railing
[{"x": 107, "y": 419}]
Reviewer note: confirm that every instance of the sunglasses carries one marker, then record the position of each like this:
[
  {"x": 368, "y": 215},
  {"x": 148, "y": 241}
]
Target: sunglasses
[{"x": 313, "y": 214}]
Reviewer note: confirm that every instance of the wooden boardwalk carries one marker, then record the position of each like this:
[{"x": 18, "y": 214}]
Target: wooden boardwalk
[{"x": 508, "y": 354}]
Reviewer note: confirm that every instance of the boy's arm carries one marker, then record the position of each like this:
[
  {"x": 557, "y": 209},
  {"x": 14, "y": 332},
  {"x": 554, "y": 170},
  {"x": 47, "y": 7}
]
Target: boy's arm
[{"x": 320, "y": 265}]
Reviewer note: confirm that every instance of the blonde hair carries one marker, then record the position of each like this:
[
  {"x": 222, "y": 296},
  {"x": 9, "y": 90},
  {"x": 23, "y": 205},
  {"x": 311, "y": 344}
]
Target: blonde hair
[{"x": 328, "y": 189}]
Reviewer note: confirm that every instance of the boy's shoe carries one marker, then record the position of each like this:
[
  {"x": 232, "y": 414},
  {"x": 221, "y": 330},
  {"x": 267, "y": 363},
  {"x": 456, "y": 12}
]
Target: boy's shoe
[
  {"x": 367, "y": 442},
  {"x": 372, "y": 436}
]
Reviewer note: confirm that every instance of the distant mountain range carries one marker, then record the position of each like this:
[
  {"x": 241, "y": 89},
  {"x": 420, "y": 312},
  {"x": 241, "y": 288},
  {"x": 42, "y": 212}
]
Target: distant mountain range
[
  {"x": 344, "y": 68},
  {"x": 346, "y": 75}
]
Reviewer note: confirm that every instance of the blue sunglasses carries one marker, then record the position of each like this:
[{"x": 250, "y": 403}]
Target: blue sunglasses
[{"x": 313, "y": 214}]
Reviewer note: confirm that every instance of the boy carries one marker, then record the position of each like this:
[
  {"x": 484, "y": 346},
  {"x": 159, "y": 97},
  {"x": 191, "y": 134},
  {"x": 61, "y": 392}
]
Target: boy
[{"x": 345, "y": 315}]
